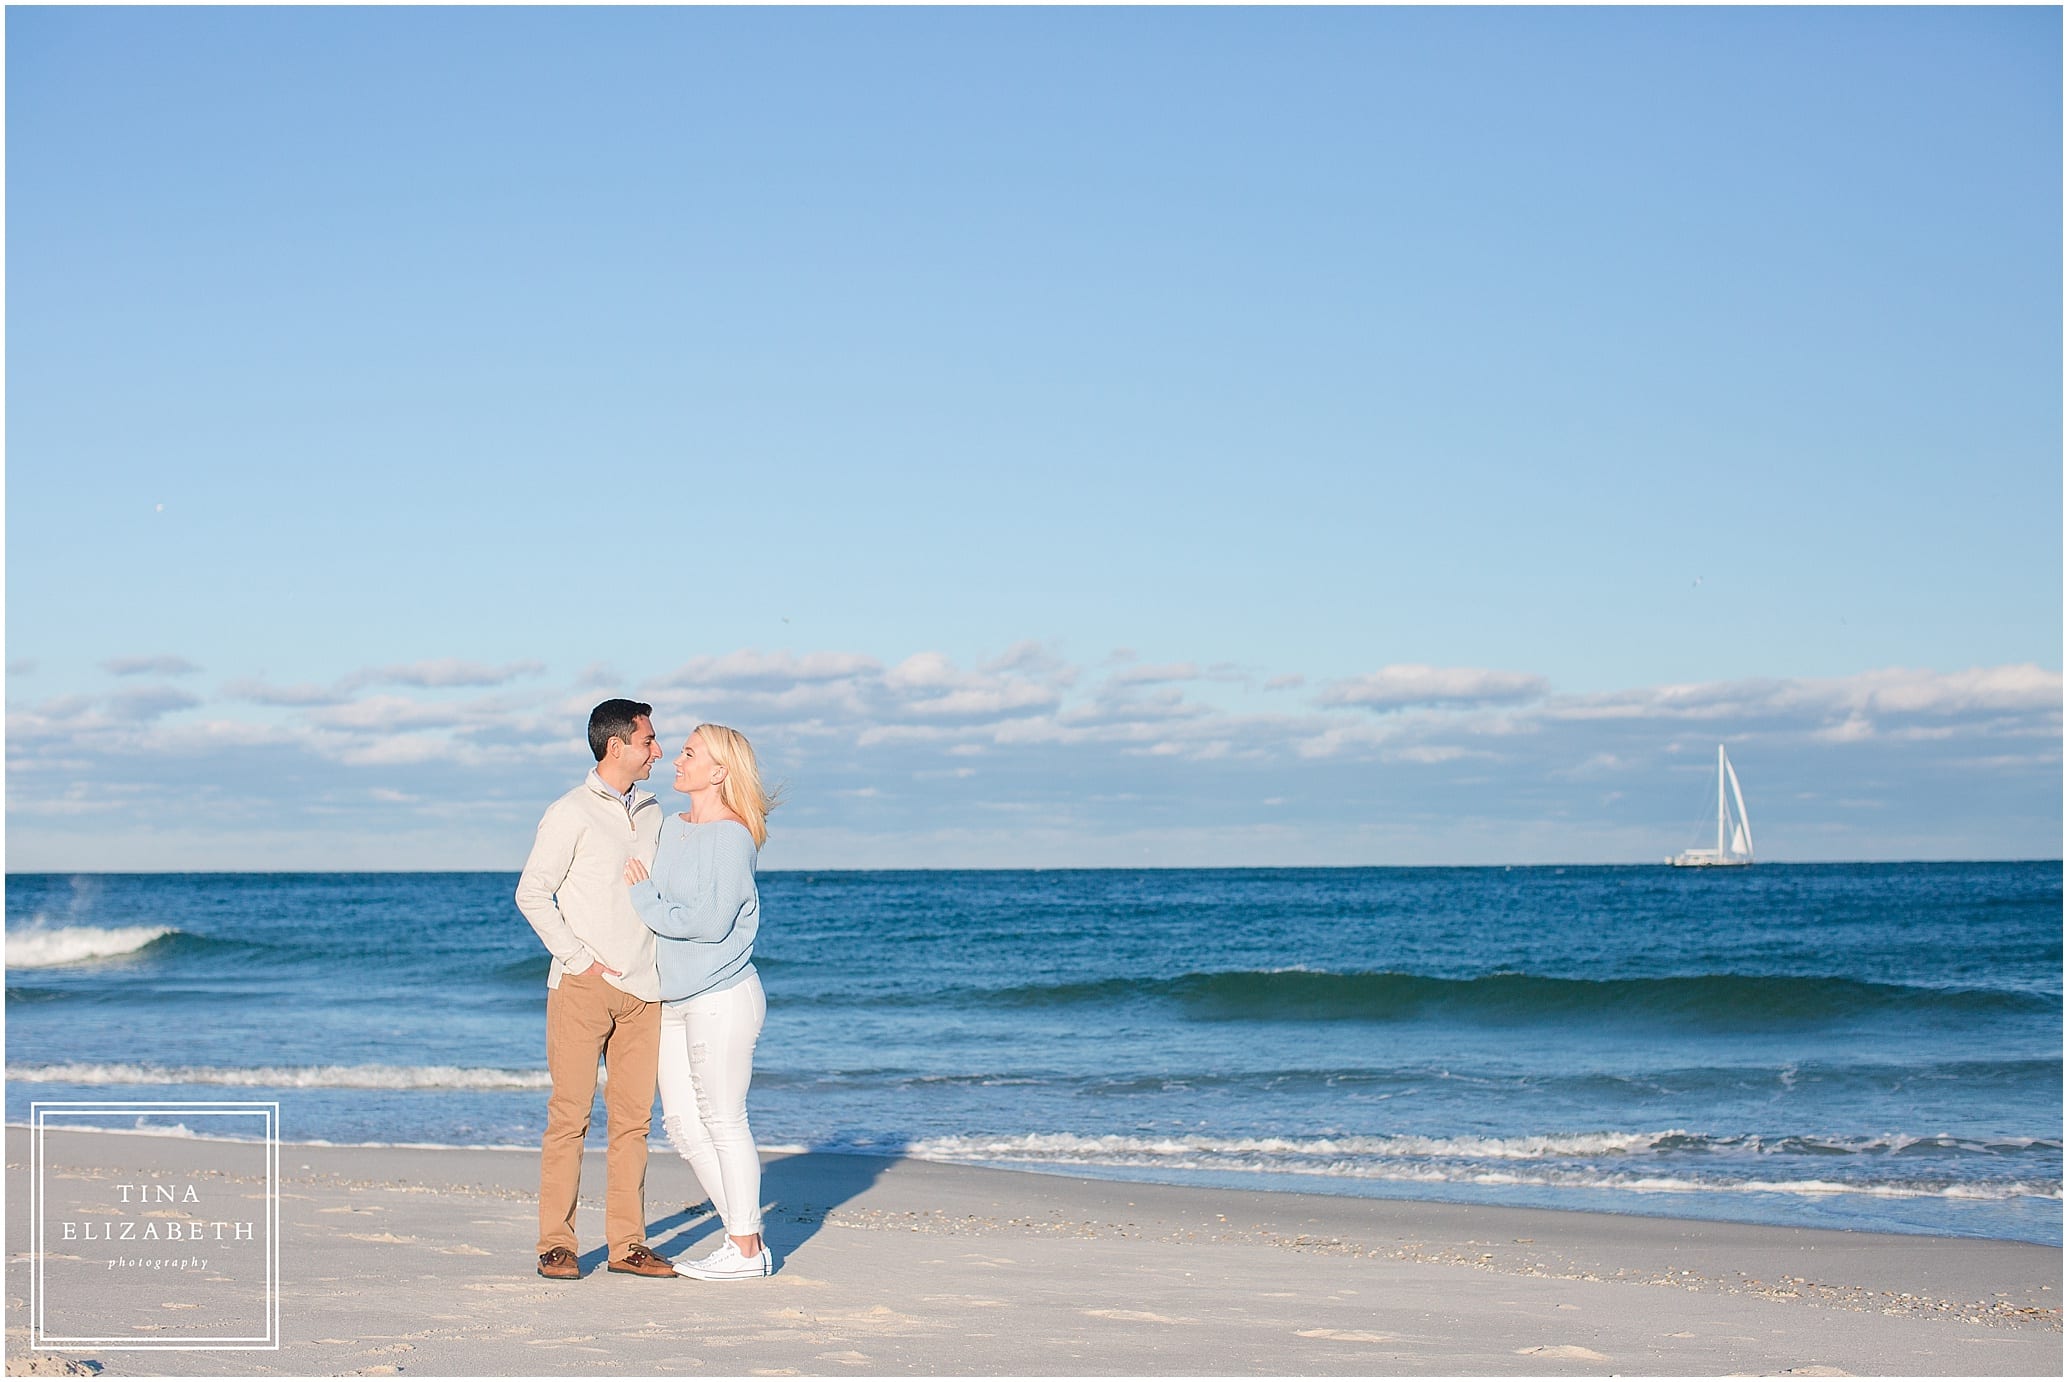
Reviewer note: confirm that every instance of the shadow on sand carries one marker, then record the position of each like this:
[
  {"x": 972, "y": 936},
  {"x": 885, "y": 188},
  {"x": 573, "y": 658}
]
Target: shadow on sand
[{"x": 798, "y": 1191}]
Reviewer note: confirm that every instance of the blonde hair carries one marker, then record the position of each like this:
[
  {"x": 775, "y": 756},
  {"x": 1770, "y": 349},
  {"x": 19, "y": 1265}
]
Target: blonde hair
[{"x": 741, "y": 791}]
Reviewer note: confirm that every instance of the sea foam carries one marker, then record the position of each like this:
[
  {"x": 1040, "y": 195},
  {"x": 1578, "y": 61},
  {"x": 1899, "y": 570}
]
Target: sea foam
[
  {"x": 287, "y": 1076},
  {"x": 1449, "y": 1161},
  {"x": 71, "y": 945}
]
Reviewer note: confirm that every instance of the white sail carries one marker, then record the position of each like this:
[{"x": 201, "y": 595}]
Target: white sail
[
  {"x": 1733, "y": 836},
  {"x": 1743, "y": 843}
]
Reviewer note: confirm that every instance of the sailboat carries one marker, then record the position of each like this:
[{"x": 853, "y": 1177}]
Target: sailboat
[{"x": 1733, "y": 837}]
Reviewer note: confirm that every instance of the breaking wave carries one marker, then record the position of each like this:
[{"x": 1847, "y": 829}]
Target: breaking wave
[
  {"x": 1512, "y": 1161},
  {"x": 41, "y": 948},
  {"x": 287, "y": 1076}
]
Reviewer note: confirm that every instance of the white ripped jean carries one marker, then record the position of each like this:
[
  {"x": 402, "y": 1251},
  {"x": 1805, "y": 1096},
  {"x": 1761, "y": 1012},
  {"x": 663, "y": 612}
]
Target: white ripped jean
[{"x": 707, "y": 1060}]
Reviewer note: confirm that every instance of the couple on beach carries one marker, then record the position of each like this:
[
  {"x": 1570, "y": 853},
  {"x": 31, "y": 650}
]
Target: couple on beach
[{"x": 651, "y": 924}]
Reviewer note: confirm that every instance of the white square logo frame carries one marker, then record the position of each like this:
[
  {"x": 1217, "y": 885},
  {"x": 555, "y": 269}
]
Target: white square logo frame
[{"x": 243, "y": 1123}]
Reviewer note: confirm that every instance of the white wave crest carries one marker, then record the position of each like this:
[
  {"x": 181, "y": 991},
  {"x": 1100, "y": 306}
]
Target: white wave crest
[
  {"x": 1042, "y": 1145},
  {"x": 288, "y": 1076},
  {"x": 71, "y": 945},
  {"x": 1440, "y": 1161}
]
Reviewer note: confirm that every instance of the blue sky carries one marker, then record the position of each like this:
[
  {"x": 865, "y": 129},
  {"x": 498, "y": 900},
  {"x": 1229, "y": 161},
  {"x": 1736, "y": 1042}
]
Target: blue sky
[{"x": 1056, "y": 436}]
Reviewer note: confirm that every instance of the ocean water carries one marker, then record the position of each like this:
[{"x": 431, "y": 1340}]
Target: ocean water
[{"x": 1856, "y": 1046}]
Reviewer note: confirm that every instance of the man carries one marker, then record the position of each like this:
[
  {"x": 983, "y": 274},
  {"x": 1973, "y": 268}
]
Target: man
[{"x": 603, "y": 991}]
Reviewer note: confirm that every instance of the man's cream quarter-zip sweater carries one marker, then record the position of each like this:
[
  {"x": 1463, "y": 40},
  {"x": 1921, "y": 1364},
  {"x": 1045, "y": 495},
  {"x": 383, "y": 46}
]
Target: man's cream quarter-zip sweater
[{"x": 573, "y": 891}]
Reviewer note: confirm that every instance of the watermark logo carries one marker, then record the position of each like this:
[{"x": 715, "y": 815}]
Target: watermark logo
[{"x": 166, "y": 1242}]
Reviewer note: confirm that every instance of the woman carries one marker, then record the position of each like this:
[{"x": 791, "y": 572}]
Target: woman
[{"x": 701, "y": 902}]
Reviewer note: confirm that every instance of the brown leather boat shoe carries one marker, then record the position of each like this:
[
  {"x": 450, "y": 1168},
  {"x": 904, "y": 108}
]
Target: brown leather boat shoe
[
  {"x": 559, "y": 1264},
  {"x": 641, "y": 1260}
]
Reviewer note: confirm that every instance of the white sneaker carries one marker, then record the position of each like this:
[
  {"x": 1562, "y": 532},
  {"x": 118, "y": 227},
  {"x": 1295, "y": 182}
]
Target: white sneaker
[{"x": 728, "y": 1263}]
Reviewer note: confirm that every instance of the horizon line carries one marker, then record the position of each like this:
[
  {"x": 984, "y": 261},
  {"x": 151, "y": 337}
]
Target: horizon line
[{"x": 1035, "y": 868}]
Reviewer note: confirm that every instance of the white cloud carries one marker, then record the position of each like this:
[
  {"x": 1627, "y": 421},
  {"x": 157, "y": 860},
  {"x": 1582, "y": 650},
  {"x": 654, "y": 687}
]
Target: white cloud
[
  {"x": 1853, "y": 729},
  {"x": 1407, "y": 684},
  {"x": 397, "y": 749},
  {"x": 445, "y": 671},
  {"x": 1460, "y": 755},
  {"x": 386, "y": 713},
  {"x": 1123, "y": 705},
  {"x": 54, "y": 716},
  {"x": 751, "y": 669},
  {"x": 1434, "y": 753},
  {"x": 163, "y": 665},
  {"x": 264, "y": 693},
  {"x": 438, "y": 674},
  {"x": 868, "y": 736},
  {"x": 2024, "y": 686},
  {"x": 1848, "y": 708},
  {"x": 1033, "y": 659},
  {"x": 1340, "y": 738},
  {"x": 922, "y": 672},
  {"x": 1154, "y": 672},
  {"x": 930, "y": 686},
  {"x": 147, "y": 703}
]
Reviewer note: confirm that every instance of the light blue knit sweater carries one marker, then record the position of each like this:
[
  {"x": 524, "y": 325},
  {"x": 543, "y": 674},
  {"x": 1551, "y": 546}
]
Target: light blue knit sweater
[{"x": 702, "y": 904}]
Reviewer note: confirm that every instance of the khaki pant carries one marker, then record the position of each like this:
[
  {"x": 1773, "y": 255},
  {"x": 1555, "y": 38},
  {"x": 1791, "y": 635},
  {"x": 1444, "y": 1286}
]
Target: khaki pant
[{"x": 586, "y": 1020}]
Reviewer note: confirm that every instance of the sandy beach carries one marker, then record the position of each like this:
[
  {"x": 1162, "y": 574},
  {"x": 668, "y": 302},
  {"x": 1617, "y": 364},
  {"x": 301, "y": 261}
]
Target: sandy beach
[{"x": 418, "y": 1261}]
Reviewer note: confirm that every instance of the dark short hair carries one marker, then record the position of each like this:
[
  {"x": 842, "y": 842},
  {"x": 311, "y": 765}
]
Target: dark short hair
[{"x": 614, "y": 720}]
